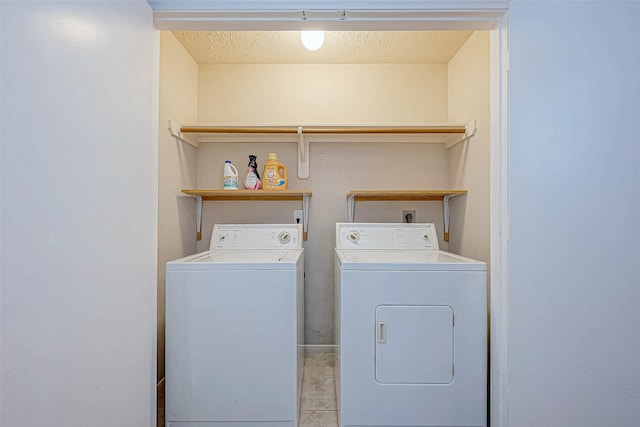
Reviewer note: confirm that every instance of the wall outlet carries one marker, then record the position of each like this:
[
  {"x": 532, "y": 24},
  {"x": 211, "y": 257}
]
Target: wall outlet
[
  {"x": 408, "y": 216},
  {"x": 297, "y": 216}
]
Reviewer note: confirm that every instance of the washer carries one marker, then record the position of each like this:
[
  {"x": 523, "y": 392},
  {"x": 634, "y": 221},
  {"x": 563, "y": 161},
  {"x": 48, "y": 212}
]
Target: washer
[
  {"x": 234, "y": 330},
  {"x": 411, "y": 329}
]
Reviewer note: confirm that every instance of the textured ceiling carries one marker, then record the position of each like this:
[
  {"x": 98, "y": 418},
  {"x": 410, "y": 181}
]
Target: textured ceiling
[{"x": 340, "y": 47}]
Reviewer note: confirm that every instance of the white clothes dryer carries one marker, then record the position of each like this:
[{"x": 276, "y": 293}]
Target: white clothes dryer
[
  {"x": 411, "y": 329},
  {"x": 234, "y": 330}
]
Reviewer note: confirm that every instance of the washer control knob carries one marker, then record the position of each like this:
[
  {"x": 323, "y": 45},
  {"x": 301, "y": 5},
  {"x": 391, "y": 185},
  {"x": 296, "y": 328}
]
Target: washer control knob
[
  {"x": 284, "y": 237},
  {"x": 353, "y": 236},
  {"x": 426, "y": 237}
]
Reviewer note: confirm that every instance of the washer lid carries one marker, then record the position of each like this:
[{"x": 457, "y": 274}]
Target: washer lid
[
  {"x": 239, "y": 260},
  {"x": 400, "y": 260}
]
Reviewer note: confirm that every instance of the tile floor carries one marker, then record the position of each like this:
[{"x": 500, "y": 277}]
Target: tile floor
[{"x": 318, "y": 404}]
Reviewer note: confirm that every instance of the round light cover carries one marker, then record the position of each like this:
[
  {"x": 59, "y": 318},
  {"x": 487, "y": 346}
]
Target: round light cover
[{"x": 312, "y": 40}]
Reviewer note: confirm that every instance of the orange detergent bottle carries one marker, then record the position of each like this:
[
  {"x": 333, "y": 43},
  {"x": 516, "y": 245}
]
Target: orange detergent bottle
[{"x": 275, "y": 174}]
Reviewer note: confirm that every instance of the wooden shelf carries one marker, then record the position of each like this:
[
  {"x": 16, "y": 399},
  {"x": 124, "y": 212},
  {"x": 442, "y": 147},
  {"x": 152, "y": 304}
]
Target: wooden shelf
[
  {"x": 404, "y": 195},
  {"x": 447, "y": 134},
  {"x": 250, "y": 195},
  {"x": 266, "y": 195},
  {"x": 325, "y": 130}
]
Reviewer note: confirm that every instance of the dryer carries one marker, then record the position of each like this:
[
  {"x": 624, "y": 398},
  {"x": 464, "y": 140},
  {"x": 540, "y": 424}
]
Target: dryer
[
  {"x": 234, "y": 329},
  {"x": 411, "y": 329}
]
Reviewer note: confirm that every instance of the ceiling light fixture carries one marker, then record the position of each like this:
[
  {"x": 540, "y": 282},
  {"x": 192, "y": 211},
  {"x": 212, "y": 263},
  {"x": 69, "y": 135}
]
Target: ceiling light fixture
[{"x": 312, "y": 40}]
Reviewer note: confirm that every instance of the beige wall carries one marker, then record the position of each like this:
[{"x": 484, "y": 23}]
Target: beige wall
[
  {"x": 176, "y": 167},
  {"x": 469, "y": 94},
  {"x": 313, "y": 94},
  {"x": 318, "y": 94}
]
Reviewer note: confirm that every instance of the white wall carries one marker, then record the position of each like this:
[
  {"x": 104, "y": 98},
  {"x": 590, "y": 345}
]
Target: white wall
[
  {"x": 176, "y": 167},
  {"x": 574, "y": 208},
  {"x": 469, "y": 96},
  {"x": 321, "y": 94},
  {"x": 79, "y": 167}
]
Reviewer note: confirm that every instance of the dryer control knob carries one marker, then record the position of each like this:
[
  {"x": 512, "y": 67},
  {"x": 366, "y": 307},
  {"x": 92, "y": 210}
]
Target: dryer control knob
[
  {"x": 353, "y": 236},
  {"x": 284, "y": 237}
]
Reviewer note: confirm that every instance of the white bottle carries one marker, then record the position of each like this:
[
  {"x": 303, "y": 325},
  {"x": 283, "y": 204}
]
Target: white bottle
[{"x": 230, "y": 176}]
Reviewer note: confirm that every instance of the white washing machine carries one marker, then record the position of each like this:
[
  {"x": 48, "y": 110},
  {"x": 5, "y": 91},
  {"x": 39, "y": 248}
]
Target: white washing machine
[
  {"x": 234, "y": 330},
  {"x": 411, "y": 329}
]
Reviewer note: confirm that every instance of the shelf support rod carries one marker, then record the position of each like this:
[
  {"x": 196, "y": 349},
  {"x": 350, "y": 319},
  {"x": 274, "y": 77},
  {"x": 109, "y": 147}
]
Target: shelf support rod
[
  {"x": 174, "y": 130},
  {"x": 351, "y": 206},
  {"x": 303, "y": 155}
]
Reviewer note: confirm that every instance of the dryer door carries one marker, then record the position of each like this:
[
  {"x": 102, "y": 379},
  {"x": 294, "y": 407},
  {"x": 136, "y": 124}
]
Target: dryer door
[{"x": 414, "y": 344}]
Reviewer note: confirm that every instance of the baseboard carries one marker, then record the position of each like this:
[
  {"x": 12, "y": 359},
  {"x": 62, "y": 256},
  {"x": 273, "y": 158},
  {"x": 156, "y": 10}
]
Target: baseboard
[{"x": 320, "y": 348}]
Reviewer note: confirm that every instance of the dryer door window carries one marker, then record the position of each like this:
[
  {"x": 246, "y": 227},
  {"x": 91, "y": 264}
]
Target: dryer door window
[{"x": 414, "y": 344}]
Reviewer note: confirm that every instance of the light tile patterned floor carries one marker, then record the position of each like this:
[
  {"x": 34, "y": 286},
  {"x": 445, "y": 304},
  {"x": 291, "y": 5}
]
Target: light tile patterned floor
[{"x": 318, "y": 403}]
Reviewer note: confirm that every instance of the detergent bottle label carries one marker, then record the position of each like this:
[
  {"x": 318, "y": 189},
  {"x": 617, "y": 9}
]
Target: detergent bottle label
[
  {"x": 230, "y": 182},
  {"x": 273, "y": 180},
  {"x": 275, "y": 174}
]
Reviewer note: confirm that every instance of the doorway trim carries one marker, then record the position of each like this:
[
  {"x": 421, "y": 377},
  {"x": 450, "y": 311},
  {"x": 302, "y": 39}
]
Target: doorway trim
[{"x": 398, "y": 16}]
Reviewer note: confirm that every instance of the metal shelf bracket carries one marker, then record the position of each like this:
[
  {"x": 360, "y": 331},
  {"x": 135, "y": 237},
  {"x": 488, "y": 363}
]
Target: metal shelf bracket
[
  {"x": 351, "y": 206},
  {"x": 470, "y": 130},
  {"x": 198, "y": 216},
  {"x": 446, "y": 202},
  {"x": 305, "y": 216},
  {"x": 174, "y": 130}
]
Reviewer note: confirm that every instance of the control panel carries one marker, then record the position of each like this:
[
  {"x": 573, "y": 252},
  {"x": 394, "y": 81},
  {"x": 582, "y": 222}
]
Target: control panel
[
  {"x": 256, "y": 236},
  {"x": 386, "y": 236}
]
